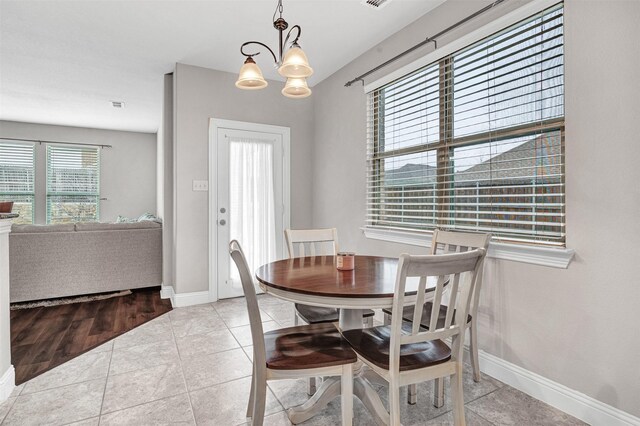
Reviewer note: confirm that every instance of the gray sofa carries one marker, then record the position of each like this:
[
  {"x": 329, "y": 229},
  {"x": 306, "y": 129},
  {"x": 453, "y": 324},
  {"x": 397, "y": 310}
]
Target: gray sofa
[{"x": 49, "y": 261}]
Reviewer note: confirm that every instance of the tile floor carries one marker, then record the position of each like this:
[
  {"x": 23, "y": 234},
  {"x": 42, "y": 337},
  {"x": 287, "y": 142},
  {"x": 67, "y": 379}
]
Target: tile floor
[{"x": 193, "y": 366}]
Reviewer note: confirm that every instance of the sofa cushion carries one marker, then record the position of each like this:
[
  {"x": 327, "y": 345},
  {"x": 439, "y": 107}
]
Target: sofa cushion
[
  {"x": 61, "y": 227},
  {"x": 98, "y": 226}
]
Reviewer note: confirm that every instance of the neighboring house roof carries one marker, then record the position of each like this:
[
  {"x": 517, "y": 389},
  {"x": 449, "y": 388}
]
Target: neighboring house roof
[
  {"x": 410, "y": 174},
  {"x": 537, "y": 158}
]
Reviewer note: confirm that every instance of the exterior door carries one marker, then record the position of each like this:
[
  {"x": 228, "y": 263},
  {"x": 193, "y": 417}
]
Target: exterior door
[{"x": 250, "y": 200}]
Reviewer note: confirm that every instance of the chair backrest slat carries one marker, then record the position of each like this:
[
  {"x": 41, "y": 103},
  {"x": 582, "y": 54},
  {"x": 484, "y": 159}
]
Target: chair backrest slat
[
  {"x": 255, "y": 321},
  {"x": 317, "y": 241},
  {"x": 437, "y": 301},
  {"x": 417, "y": 313},
  {"x": 460, "y": 270},
  {"x": 448, "y": 241},
  {"x": 461, "y": 241}
]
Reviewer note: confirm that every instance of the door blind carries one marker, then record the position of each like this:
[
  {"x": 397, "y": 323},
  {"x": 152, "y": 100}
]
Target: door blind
[
  {"x": 17, "y": 178},
  {"x": 73, "y": 184},
  {"x": 475, "y": 141}
]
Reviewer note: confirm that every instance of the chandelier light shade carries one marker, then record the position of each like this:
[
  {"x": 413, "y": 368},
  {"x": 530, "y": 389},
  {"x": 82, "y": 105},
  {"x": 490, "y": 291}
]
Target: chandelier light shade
[
  {"x": 250, "y": 77},
  {"x": 293, "y": 64},
  {"x": 296, "y": 87}
]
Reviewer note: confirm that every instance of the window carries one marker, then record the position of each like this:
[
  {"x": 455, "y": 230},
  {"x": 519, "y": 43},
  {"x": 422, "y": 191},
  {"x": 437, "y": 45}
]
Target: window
[
  {"x": 73, "y": 184},
  {"x": 17, "y": 178},
  {"x": 475, "y": 141}
]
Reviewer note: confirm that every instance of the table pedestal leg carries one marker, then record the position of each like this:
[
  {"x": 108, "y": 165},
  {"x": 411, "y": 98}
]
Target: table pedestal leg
[
  {"x": 350, "y": 319},
  {"x": 329, "y": 390}
]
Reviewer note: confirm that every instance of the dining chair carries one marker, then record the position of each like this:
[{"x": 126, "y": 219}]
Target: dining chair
[
  {"x": 404, "y": 356},
  {"x": 451, "y": 242},
  {"x": 292, "y": 352},
  {"x": 316, "y": 242},
  {"x": 312, "y": 242}
]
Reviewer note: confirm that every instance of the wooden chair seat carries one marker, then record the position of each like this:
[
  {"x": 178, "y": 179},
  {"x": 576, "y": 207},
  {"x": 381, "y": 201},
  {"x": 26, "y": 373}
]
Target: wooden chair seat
[
  {"x": 373, "y": 345},
  {"x": 319, "y": 315},
  {"x": 407, "y": 314},
  {"x": 307, "y": 346}
]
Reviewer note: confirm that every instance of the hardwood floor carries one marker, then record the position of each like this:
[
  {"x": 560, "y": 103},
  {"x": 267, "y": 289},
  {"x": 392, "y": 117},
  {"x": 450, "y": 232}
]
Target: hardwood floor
[{"x": 43, "y": 338}]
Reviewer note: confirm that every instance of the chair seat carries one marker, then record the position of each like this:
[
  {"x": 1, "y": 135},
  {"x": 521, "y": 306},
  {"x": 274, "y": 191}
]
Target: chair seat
[
  {"x": 306, "y": 347},
  {"x": 407, "y": 314},
  {"x": 318, "y": 315},
  {"x": 373, "y": 344}
]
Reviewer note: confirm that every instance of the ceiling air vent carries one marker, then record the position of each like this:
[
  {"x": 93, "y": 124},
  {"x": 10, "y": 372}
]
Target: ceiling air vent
[
  {"x": 117, "y": 104},
  {"x": 375, "y": 4}
]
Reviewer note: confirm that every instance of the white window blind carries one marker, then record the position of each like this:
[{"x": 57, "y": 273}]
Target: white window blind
[
  {"x": 17, "y": 178},
  {"x": 73, "y": 184},
  {"x": 475, "y": 141}
]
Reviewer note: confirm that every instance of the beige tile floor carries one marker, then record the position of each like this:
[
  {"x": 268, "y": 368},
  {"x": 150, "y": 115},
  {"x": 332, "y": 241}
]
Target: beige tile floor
[{"x": 193, "y": 366}]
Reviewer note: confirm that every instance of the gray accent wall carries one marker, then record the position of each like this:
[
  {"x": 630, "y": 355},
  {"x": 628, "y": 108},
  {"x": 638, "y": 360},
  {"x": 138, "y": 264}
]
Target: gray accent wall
[
  {"x": 201, "y": 94},
  {"x": 127, "y": 171},
  {"x": 576, "y": 326}
]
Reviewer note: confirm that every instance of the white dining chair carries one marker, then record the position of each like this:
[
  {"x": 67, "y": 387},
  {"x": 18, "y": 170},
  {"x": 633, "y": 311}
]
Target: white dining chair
[
  {"x": 316, "y": 242},
  {"x": 292, "y": 352},
  {"x": 412, "y": 355},
  {"x": 451, "y": 242}
]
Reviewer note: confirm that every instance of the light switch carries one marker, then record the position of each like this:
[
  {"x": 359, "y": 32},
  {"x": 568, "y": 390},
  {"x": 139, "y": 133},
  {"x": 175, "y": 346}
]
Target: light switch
[{"x": 200, "y": 185}]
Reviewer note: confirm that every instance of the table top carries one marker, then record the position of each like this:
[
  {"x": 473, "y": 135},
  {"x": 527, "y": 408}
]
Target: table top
[
  {"x": 316, "y": 281},
  {"x": 373, "y": 277}
]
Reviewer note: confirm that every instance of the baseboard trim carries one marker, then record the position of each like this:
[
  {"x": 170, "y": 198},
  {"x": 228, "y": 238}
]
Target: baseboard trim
[
  {"x": 572, "y": 402},
  {"x": 166, "y": 292},
  {"x": 180, "y": 300},
  {"x": 7, "y": 383}
]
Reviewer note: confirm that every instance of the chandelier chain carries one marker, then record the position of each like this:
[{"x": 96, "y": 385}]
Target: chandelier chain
[{"x": 279, "y": 9}]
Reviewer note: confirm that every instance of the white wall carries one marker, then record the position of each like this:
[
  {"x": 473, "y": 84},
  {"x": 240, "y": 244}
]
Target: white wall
[
  {"x": 127, "y": 171},
  {"x": 577, "y": 326},
  {"x": 165, "y": 182},
  {"x": 201, "y": 94},
  {"x": 7, "y": 376}
]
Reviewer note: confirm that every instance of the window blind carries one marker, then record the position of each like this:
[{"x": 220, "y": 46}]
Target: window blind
[
  {"x": 17, "y": 178},
  {"x": 73, "y": 184},
  {"x": 475, "y": 141}
]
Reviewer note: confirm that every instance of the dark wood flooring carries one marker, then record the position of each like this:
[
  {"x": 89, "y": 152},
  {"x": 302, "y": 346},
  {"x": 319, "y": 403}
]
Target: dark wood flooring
[{"x": 43, "y": 338}]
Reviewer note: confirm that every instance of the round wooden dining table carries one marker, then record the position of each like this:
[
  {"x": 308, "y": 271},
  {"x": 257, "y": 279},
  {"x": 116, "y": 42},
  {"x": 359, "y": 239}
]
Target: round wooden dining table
[{"x": 316, "y": 281}]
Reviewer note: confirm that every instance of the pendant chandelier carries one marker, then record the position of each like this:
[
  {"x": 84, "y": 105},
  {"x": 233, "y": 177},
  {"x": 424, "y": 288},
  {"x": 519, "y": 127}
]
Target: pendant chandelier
[{"x": 294, "y": 65}]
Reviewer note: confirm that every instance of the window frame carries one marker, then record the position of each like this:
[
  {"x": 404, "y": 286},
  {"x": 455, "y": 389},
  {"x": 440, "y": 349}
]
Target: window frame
[
  {"x": 27, "y": 194},
  {"x": 520, "y": 251},
  {"x": 48, "y": 193}
]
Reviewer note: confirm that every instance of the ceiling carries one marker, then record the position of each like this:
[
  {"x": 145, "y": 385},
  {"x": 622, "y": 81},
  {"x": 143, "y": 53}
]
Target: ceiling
[{"x": 61, "y": 62}]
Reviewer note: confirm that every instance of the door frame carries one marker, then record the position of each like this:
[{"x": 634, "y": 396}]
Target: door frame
[{"x": 214, "y": 125}]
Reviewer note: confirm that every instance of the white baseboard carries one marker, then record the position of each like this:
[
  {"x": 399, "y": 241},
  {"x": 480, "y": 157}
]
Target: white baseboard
[
  {"x": 7, "y": 383},
  {"x": 166, "y": 292},
  {"x": 572, "y": 402},
  {"x": 180, "y": 300}
]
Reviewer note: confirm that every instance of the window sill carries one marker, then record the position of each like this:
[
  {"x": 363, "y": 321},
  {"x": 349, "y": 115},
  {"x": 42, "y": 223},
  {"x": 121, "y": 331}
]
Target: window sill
[{"x": 545, "y": 256}]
